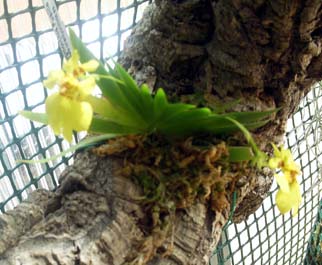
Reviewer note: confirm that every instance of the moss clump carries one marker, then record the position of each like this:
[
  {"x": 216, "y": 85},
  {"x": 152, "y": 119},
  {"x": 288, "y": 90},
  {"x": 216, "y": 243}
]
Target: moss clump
[{"x": 173, "y": 175}]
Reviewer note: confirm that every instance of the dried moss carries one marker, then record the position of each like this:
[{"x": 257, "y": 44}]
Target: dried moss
[{"x": 173, "y": 175}]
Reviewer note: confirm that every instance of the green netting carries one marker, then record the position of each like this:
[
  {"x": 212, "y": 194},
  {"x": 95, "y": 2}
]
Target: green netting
[
  {"x": 268, "y": 237},
  {"x": 28, "y": 50},
  {"x": 314, "y": 250}
]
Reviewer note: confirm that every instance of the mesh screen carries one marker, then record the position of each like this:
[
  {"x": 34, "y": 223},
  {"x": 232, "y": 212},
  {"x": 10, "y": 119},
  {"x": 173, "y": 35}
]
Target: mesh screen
[
  {"x": 267, "y": 237},
  {"x": 29, "y": 49}
]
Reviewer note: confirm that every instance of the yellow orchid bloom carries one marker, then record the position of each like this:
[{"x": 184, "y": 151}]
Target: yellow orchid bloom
[
  {"x": 66, "y": 115},
  {"x": 282, "y": 182},
  {"x": 72, "y": 65},
  {"x": 289, "y": 196},
  {"x": 53, "y": 78},
  {"x": 290, "y": 200},
  {"x": 283, "y": 159},
  {"x": 68, "y": 109}
]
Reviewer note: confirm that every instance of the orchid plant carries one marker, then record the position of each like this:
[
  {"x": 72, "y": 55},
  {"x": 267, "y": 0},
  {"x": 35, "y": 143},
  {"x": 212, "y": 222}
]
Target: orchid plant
[{"x": 125, "y": 108}]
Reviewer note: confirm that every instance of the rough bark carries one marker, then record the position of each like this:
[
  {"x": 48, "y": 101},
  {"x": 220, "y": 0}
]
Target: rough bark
[{"x": 264, "y": 54}]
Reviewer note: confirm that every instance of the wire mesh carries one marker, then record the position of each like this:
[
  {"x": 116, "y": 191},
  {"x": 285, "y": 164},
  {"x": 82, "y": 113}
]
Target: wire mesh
[{"x": 28, "y": 50}]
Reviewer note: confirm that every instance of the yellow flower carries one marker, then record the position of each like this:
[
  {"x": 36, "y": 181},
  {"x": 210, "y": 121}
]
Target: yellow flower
[
  {"x": 283, "y": 159},
  {"x": 53, "y": 78},
  {"x": 291, "y": 200},
  {"x": 68, "y": 109},
  {"x": 72, "y": 65},
  {"x": 289, "y": 196},
  {"x": 66, "y": 115}
]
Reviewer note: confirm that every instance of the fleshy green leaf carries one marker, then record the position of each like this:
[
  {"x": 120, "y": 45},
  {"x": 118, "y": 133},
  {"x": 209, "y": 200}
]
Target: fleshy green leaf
[
  {"x": 101, "y": 125},
  {"x": 130, "y": 89},
  {"x": 240, "y": 153},
  {"x": 248, "y": 116},
  {"x": 260, "y": 158},
  {"x": 35, "y": 116},
  {"x": 85, "y": 56},
  {"x": 112, "y": 113},
  {"x": 82, "y": 144},
  {"x": 160, "y": 103},
  {"x": 136, "y": 109},
  {"x": 147, "y": 102},
  {"x": 122, "y": 95}
]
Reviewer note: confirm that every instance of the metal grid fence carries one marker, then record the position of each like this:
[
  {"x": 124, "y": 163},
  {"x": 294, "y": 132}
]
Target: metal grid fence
[{"x": 28, "y": 50}]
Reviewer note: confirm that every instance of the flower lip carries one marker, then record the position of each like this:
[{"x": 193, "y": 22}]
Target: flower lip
[
  {"x": 289, "y": 196},
  {"x": 68, "y": 108}
]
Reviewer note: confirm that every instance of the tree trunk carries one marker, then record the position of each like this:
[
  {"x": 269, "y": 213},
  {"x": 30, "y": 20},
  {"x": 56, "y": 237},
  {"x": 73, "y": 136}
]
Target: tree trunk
[{"x": 245, "y": 54}]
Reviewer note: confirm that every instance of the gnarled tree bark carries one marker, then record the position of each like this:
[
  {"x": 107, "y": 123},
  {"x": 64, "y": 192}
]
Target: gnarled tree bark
[{"x": 259, "y": 54}]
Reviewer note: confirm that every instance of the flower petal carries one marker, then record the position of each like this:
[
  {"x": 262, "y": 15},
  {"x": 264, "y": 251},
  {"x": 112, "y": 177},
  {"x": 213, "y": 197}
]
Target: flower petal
[
  {"x": 66, "y": 115},
  {"x": 81, "y": 115},
  {"x": 90, "y": 66},
  {"x": 72, "y": 63},
  {"x": 68, "y": 133},
  {"x": 282, "y": 182},
  {"x": 274, "y": 162},
  {"x": 277, "y": 152},
  {"x": 68, "y": 110},
  {"x": 86, "y": 86},
  {"x": 52, "y": 104},
  {"x": 54, "y": 78},
  {"x": 297, "y": 197},
  {"x": 283, "y": 202},
  {"x": 286, "y": 201}
]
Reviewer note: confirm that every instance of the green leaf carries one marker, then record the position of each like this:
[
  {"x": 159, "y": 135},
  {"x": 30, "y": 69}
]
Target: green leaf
[
  {"x": 173, "y": 109},
  {"x": 35, "y": 116},
  {"x": 240, "y": 153},
  {"x": 160, "y": 103},
  {"x": 183, "y": 123},
  {"x": 84, "y": 143},
  {"x": 255, "y": 125},
  {"x": 135, "y": 109},
  {"x": 101, "y": 125},
  {"x": 248, "y": 116},
  {"x": 108, "y": 86},
  {"x": 199, "y": 120},
  {"x": 85, "y": 56},
  {"x": 244, "y": 130},
  {"x": 116, "y": 85},
  {"x": 105, "y": 109},
  {"x": 130, "y": 88},
  {"x": 219, "y": 107},
  {"x": 147, "y": 103}
]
